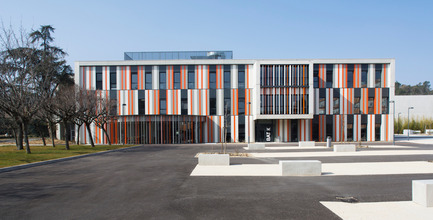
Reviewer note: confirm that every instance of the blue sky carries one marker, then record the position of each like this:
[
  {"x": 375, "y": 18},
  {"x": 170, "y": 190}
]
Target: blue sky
[{"x": 103, "y": 30}]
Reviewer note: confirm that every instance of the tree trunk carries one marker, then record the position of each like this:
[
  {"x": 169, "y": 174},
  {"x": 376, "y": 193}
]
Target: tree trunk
[
  {"x": 106, "y": 134},
  {"x": 19, "y": 132},
  {"x": 90, "y": 134},
  {"x": 53, "y": 134},
  {"x": 43, "y": 140},
  {"x": 26, "y": 137},
  {"x": 66, "y": 135},
  {"x": 78, "y": 134}
]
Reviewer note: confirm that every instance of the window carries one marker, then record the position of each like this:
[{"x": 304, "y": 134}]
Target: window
[
  {"x": 357, "y": 101},
  {"x": 316, "y": 76},
  {"x": 212, "y": 77},
  {"x": 370, "y": 105},
  {"x": 113, "y": 97},
  {"x": 377, "y": 127},
  {"x": 162, "y": 80},
  {"x": 385, "y": 101},
  {"x": 227, "y": 77},
  {"x": 99, "y": 78},
  {"x": 141, "y": 102},
  {"x": 363, "y": 127},
  {"x": 336, "y": 102},
  {"x": 162, "y": 102},
  {"x": 322, "y": 106},
  {"x": 212, "y": 102},
  {"x": 241, "y": 76},
  {"x": 162, "y": 77},
  {"x": 241, "y": 101},
  {"x": 176, "y": 76},
  {"x": 148, "y": 75},
  {"x": 378, "y": 75},
  {"x": 184, "y": 102},
  {"x": 329, "y": 73},
  {"x": 227, "y": 102},
  {"x": 349, "y": 128},
  {"x": 364, "y": 74},
  {"x": 350, "y": 68},
  {"x": 191, "y": 77},
  {"x": 134, "y": 79},
  {"x": 113, "y": 78}
]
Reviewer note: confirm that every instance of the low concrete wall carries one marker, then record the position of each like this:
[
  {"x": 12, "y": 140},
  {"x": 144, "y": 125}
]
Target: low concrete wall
[
  {"x": 301, "y": 167},
  {"x": 256, "y": 146},
  {"x": 422, "y": 192},
  {"x": 213, "y": 159},
  {"x": 344, "y": 148},
  {"x": 307, "y": 143}
]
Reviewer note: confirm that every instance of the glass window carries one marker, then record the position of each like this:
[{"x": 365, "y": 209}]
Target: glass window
[
  {"x": 329, "y": 75},
  {"x": 316, "y": 76},
  {"x": 212, "y": 102},
  {"x": 385, "y": 105},
  {"x": 378, "y": 75},
  {"x": 322, "y": 106},
  {"x": 162, "y": 80},
  {"x": 191, "y": 77},
  {"x": 227, "y": 76},
  {"x": 184, "y": 102},
  {"x": 163, "y": 106},
  {"x": 241, "y": 76},
  {"x": 113, "y": 77},
  {"x": 99, "y": 77},
  {"x": 364, "y": 74},
  {"x": 148, "y": 75},
  {"x": 336, "y": 106},
  {"x": 241, "y": 101},
  {"x": 212, "y": 77},
  {"x": 370, "y": 105},
  {"x": 176, "y": 76},
  {"x": 357, "y": 101},
  {"x": 141, "y": 102},
  {"x": 134, "y": 79},
  {"x": 350, "y": 69}
]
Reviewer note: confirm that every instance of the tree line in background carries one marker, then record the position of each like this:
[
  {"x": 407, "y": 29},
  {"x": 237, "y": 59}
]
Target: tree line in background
[
  {"x": 418, "y": 89},
  {"x": 37, "y": 89}
]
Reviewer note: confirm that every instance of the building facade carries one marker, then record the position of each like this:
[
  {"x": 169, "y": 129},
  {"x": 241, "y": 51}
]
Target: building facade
[{"x": 218, "y": 99}]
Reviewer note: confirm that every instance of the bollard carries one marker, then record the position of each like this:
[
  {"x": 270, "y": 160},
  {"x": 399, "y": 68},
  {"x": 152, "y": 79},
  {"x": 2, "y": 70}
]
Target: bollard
[{"x": 328, "y": 141}]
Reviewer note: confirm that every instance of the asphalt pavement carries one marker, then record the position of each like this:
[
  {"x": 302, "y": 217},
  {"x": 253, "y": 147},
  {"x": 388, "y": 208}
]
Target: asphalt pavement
[{"x": 154, "y": 182}]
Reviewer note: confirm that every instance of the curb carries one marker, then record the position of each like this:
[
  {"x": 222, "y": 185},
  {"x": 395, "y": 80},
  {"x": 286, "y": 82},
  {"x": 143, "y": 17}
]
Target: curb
[{"x": 35, "y": 164}]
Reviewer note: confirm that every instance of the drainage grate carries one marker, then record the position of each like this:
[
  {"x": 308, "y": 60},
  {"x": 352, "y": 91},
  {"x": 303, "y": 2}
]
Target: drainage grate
[{"x": 349, "y": 199}]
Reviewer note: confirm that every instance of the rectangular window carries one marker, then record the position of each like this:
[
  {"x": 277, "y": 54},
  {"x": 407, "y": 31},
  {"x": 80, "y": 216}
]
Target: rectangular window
[
  {"x": 162, "y": 80},
  {"x": 141, "y": 102},
  {"x": 227, "y": 101},
  {"x": 350, "y": 69},
  {"x": 212, "y": 77},
  {"x": 336, "y": 102},
  {"x": 148, "y": 75},
  {"x": 371, "y": 101},
  {"x": 316, "y": 76},
  {"x": 113, "y": 77},
  {"x": 241, "y": 101},
  {"x": 113, "y": 97},
  {"x": 99, "y": 78},
  {"x": 329, "y": 75},
  {"x": 134, "y": 79},
  {"x": 378, "y": 75},
  {"x": 162, "y": 102},
  {"x": 184, "y": 101},
  {"x": 364, "y": 74},
  {"x": 385, "y": 101},
  {"x": 322, "y": 106},
  {"x": 227, "y": 77},
  {"x": 162, "y": 77},
  {"x": 378, "y": 121},
  {"x": 176, "y": 76},
  {"x": 349, "y": 128},
  {"x": 191, "y": 77},
  {"x": 363, "y": 127},
  {"x": 212, "y": 102},
  {"x": 357, "y": 101},
  {"x": 241, "y": 76}
]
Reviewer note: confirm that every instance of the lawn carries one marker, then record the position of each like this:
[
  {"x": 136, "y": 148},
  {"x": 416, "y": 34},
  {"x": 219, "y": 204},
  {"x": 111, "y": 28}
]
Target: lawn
[{"x": 10, "y": 156}]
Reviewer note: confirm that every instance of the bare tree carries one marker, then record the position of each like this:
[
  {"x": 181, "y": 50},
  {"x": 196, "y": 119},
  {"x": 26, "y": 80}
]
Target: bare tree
[
  {"x": 106, "y": 113},
  {"x": 87, "y": 102}
]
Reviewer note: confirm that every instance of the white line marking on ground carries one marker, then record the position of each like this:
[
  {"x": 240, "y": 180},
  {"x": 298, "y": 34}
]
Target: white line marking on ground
[
  {"x": 379, "y": 210},
  {"x": 328, "y": 169}
]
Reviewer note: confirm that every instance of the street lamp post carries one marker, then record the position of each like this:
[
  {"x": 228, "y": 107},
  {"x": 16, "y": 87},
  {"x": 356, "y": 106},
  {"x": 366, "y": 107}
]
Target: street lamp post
[
  {"x": 408, "y": 122},
  {"x": 393, "y": 116},
  {"x": 124, "y": 122},
  {"x": 249, "y": 113}
]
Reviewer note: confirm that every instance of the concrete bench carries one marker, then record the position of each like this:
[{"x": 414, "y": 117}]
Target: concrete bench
[
  {"x": 301, "y": 167},
  {"x": 345, "y": 148},
  {"x": 256, "y": 146},
  {"x": 213, "y": 159},
  {"x": 422, "y": 192},
  {"x": 307, "y": 143}
]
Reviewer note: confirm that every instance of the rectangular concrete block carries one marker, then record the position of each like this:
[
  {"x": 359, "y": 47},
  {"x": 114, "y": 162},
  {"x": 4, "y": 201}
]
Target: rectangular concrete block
[
  {"x": 307, "y": 143},
  {"x": 301, "y": 167},
  {"x": 256, "y": 146},
  {"x": 213, "y": 159},
  {"x": 344, "y": 148},
  {"x": 422, "y": 192}
]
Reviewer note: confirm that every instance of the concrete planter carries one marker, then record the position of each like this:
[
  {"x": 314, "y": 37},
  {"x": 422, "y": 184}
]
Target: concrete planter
[
  {"x": 307, "y": 143},
  {"x": 214, "y": 159},
  {"x": 345, "y": 148},
  {"x": 422, "y": 192},
  {"x": 256, "y": 146},
  {"x": 301, "y": 167}
]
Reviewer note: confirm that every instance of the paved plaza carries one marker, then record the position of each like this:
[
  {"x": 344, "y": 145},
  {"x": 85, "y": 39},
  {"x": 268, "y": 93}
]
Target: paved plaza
[{"x": 157, "y": 182}]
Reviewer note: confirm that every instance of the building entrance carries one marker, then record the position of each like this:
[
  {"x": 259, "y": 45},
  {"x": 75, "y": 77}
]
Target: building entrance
[{"x": 264, "y": 131}]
